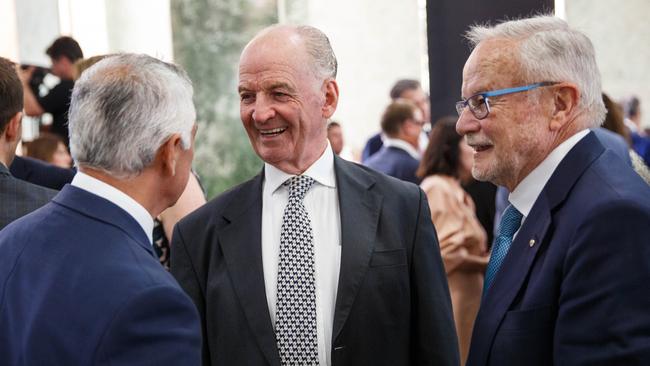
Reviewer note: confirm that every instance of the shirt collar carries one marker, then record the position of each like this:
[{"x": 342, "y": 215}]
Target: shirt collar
[
  {"x": 401, "y": 144},
  {"x": 119, "y": 198},
  {"x": 322, "y": 171},
  {"x": 526, "y": 193}
]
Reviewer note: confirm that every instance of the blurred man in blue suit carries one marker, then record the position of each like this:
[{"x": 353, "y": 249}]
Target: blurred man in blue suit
[
  {"x": 79, "y": 281},
  {"x": 17, "y": 197},
  {"x": 567, "y": 281}
]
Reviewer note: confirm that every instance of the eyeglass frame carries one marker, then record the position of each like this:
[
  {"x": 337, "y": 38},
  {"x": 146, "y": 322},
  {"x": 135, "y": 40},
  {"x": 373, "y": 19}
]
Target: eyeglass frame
[{"x": 462, "y": 104}]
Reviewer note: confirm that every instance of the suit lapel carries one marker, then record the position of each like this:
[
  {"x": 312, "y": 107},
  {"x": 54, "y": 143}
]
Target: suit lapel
[
  {"x": 526, "y": 245},
  {"x": 360, "y": 209},
  {"x": 241, "y": 242}
]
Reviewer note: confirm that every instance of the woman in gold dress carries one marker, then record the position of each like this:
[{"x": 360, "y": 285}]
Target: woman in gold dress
[{"x": 445, "y": 166}]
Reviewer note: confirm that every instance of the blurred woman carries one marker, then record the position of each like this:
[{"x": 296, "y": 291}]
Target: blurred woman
[
  {"x": 445, "y": 165},
  {"x": 50, "y": 148}
]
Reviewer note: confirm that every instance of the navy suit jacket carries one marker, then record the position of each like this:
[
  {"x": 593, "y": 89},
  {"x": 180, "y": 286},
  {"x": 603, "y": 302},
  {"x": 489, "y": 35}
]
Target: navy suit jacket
[
  {"x": 392, "y": 306},
  {"x": 41, "y": 173},
  {"x": 80, "y": 285},
  {"x": 373, "y": 145},
  {"x": 395, "y": 162},
  {"x": 18, "y": 198},
  {"x": 573, "y": 289}
]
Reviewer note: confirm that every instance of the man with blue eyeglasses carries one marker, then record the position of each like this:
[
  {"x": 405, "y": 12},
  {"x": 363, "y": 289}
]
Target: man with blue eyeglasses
[{"x": 567, "y": 281}]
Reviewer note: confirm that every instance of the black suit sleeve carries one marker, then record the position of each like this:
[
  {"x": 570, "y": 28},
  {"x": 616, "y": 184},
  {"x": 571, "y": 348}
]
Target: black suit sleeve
[
  {"x": 434, "y": 334},
  {"x": 184, "y": 270}
]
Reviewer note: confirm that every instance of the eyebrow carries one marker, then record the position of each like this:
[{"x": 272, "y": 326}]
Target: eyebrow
[{"x": 280, "y": 85}]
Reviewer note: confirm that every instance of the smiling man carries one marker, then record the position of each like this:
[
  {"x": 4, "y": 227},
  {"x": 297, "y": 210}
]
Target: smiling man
[
  {"x": 315, "y": 261},
  {"x": 567, "y": 281}
]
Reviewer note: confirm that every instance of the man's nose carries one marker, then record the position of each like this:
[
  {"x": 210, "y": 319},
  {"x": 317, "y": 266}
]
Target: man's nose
[
  {"x": 264, "y": 110},
  {"x": 467, "y": 123}
]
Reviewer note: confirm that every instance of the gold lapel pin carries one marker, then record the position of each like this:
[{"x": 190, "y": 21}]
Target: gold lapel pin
[{"x": 531, "y": 243}]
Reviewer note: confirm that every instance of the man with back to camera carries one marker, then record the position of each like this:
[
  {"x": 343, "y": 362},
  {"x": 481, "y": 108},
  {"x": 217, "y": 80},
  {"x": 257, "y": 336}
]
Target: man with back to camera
[
  {"x": 79, "y": 281},
  {"x": 316, "y": 260},
  {"x": 16, "y": 196},
  {"x": 568, "y": 276},
  {"x": 63, "y": 53}
]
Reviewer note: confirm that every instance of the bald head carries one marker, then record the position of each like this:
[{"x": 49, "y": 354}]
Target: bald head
[{"x": 308, "y": 41}]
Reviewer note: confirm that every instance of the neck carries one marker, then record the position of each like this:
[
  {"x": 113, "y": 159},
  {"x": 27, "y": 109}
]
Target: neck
[{"x": 140, "y": 188}]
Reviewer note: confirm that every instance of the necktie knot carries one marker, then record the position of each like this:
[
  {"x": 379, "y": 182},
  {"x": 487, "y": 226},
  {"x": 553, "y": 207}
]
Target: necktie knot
[
  {"x": 298, "y": 186},
  {"x": 510, "y": 222}
]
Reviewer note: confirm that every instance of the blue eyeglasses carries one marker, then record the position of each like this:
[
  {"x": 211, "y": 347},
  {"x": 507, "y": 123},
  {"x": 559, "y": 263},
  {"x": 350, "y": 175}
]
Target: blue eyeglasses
[{"x": 479, "y": 104}]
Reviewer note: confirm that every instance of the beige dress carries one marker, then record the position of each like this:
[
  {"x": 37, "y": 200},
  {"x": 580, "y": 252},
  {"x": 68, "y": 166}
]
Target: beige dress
[{"x": 463, "y": 248}]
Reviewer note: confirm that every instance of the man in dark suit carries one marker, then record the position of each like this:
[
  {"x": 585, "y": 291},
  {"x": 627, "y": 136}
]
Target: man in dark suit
[
  {"x": 41, "y": 173},
  {"x": 17, "y": 197},
  {"x": 316, "y": 261},
  {"x": 567, "y": 281},
  {"x": 79, "y": 281},
  {"x": 399, "y": 157}
]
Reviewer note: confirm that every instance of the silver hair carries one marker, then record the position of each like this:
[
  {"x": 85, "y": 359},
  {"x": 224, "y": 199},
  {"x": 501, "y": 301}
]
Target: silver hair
[
  {"x": 550, "y": 50},
  {"x": 317, "y": 45},
  {"x": 124, "y": 108}
]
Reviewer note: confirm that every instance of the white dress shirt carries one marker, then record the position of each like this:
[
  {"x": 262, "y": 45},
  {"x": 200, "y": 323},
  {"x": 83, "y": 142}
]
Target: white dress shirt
[
  {"x": 525, "y": 194},
  {"x": 322, "y": 205},
  {"x": 119, "y": 198},
  {"x": 401, "y": 144}
]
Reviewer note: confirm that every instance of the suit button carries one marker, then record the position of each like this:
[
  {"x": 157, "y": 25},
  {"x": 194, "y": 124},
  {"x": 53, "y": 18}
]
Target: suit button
[{"x": 531, "y": 243}]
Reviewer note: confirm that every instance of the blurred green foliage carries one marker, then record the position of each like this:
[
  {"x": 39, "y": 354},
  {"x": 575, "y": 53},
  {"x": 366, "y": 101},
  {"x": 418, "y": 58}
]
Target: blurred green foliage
[{"x": 208, "y": 36}]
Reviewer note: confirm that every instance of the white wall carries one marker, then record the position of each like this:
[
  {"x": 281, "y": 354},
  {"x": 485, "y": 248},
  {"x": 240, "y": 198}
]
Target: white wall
[
  {"x": 376, "y": 43},
  {"x": 619, "y": 31}
]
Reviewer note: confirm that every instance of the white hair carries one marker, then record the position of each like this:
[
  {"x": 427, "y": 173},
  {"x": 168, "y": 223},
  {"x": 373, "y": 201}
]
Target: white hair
[
  {"x": 124, "y": 108},
  {"x": 550, "y": 50}
]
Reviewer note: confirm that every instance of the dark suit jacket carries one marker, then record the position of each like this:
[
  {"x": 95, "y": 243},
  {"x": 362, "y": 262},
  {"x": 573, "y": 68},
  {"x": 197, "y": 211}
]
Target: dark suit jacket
[
  {"x": 396, "y": 163},
  {"x": 79, "y": 285},
  {"x": 373, "y": 145},
  {"x": 41, "y": 173},
  {"x": 392, "y": 306},
  {"x": 573, "y": 289},
  {"x": 18, "y": 198}
]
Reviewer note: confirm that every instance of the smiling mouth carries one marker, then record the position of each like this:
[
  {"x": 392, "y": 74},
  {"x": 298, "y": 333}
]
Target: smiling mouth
[
  {"x": 481, "y": 148},
  {"x": 272, "y": 132}
]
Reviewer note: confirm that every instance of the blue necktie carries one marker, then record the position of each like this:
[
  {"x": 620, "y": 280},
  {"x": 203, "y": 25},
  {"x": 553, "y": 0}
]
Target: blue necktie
[{"x": 510, "y": 222}]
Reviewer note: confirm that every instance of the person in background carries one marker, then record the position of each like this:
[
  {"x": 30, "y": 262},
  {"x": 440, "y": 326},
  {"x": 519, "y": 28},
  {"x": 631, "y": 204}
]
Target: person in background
[
  {"x": 50, "y": 148},
  {"x": 17, "y": 197},
  {"x": 568, "y": 273},
  {"x": 403, "y": 89},
  {"x": 63, "y": 53},
  {"x": 401, "y": 124},
  {"x": 445, "y": 165},
  {"x": 79, "y": 280},
  {"x": 335, "y": 136}
]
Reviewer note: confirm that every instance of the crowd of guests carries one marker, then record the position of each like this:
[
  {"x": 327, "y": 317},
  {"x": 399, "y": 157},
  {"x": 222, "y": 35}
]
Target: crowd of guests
[{"x": 318, "y": 260}]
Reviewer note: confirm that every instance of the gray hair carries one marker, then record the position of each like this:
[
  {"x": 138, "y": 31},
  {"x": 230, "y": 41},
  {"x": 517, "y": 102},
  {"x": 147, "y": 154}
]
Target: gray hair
[
  {"x": 550, "y": 50},
  {"x": 317, "y": 45},
  {"x": 124, "y": 108}
]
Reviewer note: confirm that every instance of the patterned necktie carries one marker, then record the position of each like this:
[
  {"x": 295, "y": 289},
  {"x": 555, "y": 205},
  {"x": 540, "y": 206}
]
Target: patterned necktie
[
  {"x": 295, "y": 325},
  {"x": 510, "y": 222}
]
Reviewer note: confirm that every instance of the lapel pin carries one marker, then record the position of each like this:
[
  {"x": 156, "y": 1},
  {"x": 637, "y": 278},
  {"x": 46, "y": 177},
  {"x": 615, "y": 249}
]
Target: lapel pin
[{"x": 531, "y": 243}]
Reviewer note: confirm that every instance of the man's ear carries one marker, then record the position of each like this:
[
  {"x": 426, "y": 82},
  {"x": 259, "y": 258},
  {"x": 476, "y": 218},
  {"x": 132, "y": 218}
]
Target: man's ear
[
  {"x": 565, "y": 105},
  {"x": 331, "y": 97},
  {"x": 168, "y": 154},
  {"x": 13, "y": 130}
]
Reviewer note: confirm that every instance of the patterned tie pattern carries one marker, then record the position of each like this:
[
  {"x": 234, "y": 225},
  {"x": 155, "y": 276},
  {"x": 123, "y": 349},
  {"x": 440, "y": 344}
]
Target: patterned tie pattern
[
  {"x": 509, "y": 225},
  {"x": 295, "y": 325}
]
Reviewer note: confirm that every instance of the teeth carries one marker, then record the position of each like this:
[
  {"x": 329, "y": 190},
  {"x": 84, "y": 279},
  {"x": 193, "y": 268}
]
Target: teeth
[{"x": 273, "y": 131}]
